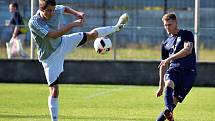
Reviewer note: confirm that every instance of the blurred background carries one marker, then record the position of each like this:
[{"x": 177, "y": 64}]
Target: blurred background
[{"x": 141, "y": 38}]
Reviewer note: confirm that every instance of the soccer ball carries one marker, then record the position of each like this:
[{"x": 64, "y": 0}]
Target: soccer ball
[{"x": 102, "y": 45}]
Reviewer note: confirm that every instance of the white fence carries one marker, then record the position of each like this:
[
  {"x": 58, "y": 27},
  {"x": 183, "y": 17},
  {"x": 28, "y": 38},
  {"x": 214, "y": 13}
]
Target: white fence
[{"x": 145, "y": 25}]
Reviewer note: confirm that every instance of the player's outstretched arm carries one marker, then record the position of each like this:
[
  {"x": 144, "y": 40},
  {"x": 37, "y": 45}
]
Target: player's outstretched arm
[
  {"x": 162, "y": 70},
  {"x": 15, "y": 32},
  {"x": 79, "y": 15},
  {"x": 63, "y": 30}
]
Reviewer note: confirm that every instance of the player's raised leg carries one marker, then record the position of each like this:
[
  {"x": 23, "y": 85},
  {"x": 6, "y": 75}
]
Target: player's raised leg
[
  {"x": 123, "y": 19},
  {"x": 104, "y": 31}
]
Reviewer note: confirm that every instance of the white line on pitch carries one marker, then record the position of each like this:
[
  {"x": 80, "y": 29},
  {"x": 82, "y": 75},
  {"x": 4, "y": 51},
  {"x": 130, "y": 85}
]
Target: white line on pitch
[{"x": 102, "y": 93}]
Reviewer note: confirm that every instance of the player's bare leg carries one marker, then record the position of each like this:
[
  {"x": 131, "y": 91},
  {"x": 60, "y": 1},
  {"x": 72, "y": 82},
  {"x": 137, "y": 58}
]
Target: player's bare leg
[{"x": 92, "y": 35}]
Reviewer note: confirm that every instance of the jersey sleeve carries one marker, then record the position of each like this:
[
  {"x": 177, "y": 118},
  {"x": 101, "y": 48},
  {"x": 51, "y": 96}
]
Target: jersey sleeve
[
  {"x": 60, "y": 8},
  {"x": 38, "y": 27},
  {"x": 164, "y": 53},
  {"x": 189, "y": 37}
]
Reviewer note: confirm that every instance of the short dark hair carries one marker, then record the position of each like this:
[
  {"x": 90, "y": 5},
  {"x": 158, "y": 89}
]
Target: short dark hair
[
  {"x": 15, "y": 5},
  {"x": 169, "y": 16},
  {"x": 43, "y": 4}
]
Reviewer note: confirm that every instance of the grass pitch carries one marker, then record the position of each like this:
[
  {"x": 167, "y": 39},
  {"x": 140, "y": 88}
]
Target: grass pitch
[{"x": 28, "y": 102}]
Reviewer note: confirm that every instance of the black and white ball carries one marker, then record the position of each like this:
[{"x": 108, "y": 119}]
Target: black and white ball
[{"x": 102, "y": 45}]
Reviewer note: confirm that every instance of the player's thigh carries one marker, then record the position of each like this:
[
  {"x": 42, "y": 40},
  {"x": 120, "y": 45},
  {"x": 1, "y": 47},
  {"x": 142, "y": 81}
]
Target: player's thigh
[
  {"x": 169, "y": 83},
  {"x": 71, "y": 41},
  {"x": 185, "y": 85},
  {"x": 188, "y": 81},
  {"x": 92, "y": 35},
  {"x": 171, "y": 78}
]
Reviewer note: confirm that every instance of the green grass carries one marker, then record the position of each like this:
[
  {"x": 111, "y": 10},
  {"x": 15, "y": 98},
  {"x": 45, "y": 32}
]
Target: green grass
[
  {"x": 144, "y": 53},
  {"x": 28, "y": 102},
  {"x": 121, "y": 54}
]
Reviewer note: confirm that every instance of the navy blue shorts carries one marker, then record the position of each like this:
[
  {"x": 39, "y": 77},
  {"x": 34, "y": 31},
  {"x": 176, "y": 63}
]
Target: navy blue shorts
[{"x": 183, "y": 80}]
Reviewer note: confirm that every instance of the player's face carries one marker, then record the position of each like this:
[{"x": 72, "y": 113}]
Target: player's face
[
  {"x": 170, "y": 26},
  {"x": 11, "y": 8},
  {"x": 48, "y": 12}
]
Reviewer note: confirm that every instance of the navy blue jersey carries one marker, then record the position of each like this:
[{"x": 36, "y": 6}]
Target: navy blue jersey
[
  {"x": 175, "y": 43},
  {"x": 16, "y": 20}
]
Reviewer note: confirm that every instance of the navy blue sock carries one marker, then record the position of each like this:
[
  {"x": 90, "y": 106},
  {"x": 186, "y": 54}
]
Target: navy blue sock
[
  {"x": 173, "y": 106},
  {"x": 161, "y": 117},
  {"x": 168, "y": 98}
]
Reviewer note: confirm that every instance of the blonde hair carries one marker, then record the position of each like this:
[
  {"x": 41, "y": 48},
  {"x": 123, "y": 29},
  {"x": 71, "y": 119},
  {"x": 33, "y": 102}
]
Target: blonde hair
[{"x": 169, "y": 16}]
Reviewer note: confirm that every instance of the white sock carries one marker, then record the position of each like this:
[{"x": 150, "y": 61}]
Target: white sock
[
  {"x": 53, "y": 108},
  {"x": 104, "y": 31}
]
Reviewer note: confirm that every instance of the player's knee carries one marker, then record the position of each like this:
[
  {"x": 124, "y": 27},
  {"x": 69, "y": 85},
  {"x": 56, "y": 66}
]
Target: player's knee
[
  {"x": 54, "y": 92},
  {"x": 169, "y": 83},
  {"x": 92, "y": 35}
]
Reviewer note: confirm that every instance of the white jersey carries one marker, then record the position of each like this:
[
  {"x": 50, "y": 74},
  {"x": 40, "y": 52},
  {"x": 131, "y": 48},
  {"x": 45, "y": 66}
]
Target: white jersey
[
  {"x": 39, "y": 29},
  {"x": 51, "y": 52}
]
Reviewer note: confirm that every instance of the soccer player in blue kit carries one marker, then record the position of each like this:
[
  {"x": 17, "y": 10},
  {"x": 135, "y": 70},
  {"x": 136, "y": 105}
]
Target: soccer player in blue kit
[
  {"x": 178, "y": 66},
  {"x": 53, "y": 45}
]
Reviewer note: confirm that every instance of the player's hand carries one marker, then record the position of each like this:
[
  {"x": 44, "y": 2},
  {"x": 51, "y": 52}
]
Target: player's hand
[
  {"x": 78, "y": 23},
  {"x": 80, "y": 15},
  {"x": 159, "y": 92},
  {"x": 164, "y": 62}
]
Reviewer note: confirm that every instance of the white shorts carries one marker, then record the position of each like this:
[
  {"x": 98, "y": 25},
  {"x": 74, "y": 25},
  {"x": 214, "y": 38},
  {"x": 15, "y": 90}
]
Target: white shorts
[{"x": 53, "y": 65}]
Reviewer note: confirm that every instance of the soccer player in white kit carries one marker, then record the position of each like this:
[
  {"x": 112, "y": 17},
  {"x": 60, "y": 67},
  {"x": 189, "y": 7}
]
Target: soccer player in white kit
[{"x": 53, "y": 45}]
